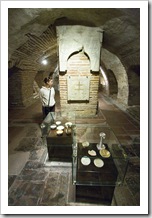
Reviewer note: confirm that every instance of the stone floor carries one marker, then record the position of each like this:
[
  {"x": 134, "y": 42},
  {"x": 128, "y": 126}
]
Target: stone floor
[{"x": 33, "y": 181}]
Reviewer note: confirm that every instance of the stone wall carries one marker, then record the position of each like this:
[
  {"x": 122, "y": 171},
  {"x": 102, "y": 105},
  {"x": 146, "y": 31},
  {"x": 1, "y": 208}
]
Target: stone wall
[
  {"x": 21, "y": 86},
  {"x": 14, "y": 88},
  {"x": 39, "y": 78},
  {"x": 134, "y": 85},
  {"x": 20, "y": 92}
]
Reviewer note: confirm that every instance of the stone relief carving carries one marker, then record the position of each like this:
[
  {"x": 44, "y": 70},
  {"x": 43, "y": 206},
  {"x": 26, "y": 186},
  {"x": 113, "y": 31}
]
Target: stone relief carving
[{"x": 74, "y": 38}]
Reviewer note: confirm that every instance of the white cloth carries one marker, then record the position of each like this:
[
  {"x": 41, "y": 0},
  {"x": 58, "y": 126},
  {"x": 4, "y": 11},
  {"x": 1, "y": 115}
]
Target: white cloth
[{"x": 44, "y": 96}]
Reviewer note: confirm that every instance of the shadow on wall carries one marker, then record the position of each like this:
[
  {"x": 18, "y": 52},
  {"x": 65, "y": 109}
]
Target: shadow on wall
[
  {"x": 134, "y": 85},
  {"x": 14, "y": 87},
  {"x": 113, "y": 85}
]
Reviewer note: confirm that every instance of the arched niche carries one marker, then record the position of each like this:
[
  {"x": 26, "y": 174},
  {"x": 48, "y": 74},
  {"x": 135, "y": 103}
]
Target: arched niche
[
  {"x": 79, "y": 82},
  {"x": 113, "y": 63},
  {"x": 78, "y": 63}
]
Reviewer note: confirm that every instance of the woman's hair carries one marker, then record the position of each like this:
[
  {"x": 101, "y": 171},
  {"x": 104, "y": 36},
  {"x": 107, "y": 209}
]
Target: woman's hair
[{"x": 47, "y": 79}]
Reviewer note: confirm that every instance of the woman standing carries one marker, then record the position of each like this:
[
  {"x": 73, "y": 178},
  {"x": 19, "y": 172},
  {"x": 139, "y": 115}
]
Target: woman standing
[{"x": 47, "y": 97}]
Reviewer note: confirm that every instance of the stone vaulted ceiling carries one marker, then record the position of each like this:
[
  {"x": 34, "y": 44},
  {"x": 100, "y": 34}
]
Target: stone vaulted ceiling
[{"x": 32, "y": 33}]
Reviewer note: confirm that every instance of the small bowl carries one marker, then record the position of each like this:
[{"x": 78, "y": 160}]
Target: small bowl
[
  {"x": 59, "y": 132},
  {"x": 58, "y": 123},
  {"x": 53, "y": 126},
  {"x": 60, "y": 127}
]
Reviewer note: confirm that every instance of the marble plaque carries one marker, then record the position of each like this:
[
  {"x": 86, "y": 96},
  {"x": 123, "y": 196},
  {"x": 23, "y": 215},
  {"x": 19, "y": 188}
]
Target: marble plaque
[{"x": 78, "y": 88}]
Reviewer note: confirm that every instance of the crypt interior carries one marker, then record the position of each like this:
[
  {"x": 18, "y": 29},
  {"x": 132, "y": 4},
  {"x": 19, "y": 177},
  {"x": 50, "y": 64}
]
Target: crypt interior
[{"x": 96, "y": 50}]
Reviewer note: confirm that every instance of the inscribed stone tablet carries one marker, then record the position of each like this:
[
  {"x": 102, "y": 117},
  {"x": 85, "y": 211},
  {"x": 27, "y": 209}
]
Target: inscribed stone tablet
[{"x": 78, "y": 88}]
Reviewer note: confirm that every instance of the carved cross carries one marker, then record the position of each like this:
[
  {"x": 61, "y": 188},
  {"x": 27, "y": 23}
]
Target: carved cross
[{"x": 79, "y": 85}]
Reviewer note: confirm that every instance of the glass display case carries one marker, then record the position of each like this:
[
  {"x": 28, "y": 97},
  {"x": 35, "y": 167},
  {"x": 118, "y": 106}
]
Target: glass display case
[
  {"x": 58, "y": 129},
  {"x": 99, "y": 164}
]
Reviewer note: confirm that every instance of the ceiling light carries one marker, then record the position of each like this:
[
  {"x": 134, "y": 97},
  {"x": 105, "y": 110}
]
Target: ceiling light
[{"x": 44, "y": 62}]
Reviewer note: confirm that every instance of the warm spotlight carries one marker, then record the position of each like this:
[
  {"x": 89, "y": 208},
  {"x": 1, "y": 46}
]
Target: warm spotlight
[{"x": 44, "y": 62}]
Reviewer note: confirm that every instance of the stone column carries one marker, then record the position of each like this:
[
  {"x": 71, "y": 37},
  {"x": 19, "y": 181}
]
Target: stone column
[{"x": 79, "y": 64}]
